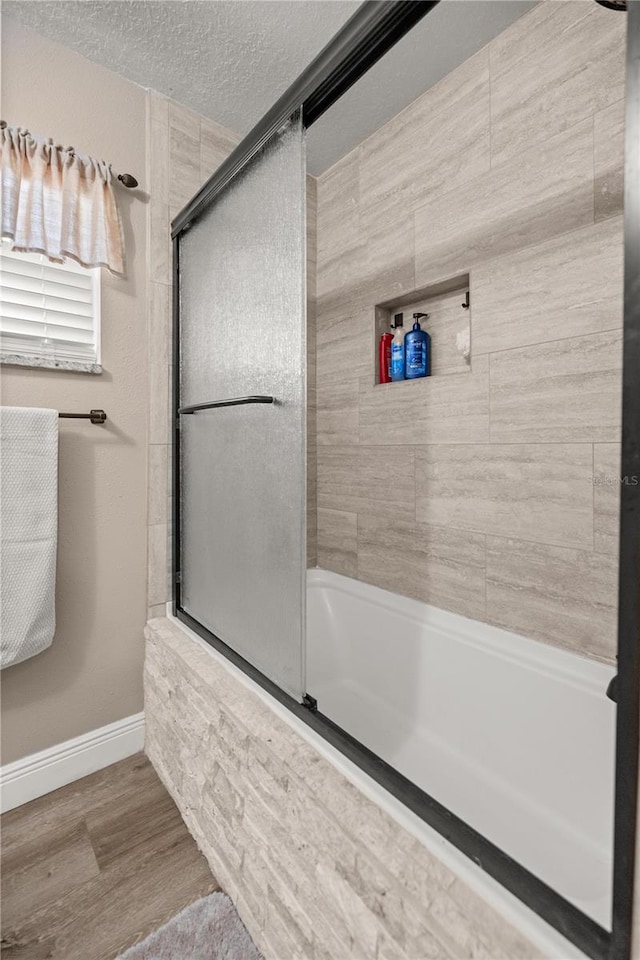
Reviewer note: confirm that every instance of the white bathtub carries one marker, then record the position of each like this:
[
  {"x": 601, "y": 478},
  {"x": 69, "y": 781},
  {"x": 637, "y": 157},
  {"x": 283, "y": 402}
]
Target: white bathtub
[{"x": 514, "y": 736}]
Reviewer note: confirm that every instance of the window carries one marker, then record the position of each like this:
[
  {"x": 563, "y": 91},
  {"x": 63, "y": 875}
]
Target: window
[{"x": 49, "y": 312}]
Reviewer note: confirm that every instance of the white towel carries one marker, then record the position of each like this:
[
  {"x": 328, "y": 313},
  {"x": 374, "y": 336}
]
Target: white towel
[{"x": 28, "y": 531}]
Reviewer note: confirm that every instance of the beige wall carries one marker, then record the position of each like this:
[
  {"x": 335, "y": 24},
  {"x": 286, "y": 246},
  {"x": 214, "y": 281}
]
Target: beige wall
[
  {"x": 92, "y": 674},
  {"x": 473, "y": 490}
]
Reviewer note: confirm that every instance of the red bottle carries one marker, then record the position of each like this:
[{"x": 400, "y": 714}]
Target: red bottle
[{"x": 384, "y": 357}]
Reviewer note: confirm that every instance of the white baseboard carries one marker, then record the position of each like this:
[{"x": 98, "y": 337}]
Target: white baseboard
[{"x": 42, "y": 772}]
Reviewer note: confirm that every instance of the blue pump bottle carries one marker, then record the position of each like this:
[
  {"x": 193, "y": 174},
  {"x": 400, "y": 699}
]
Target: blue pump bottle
[
  {"x": 397, "y": 350},
  {"x": 417, "y": 350}
]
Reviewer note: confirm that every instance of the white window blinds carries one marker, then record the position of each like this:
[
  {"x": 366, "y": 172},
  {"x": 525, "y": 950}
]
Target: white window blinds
[{"x": 48, "y": 310}]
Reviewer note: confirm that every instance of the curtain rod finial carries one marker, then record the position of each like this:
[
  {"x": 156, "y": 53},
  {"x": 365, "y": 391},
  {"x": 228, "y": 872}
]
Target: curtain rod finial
[{"x": 128, "y": 180}]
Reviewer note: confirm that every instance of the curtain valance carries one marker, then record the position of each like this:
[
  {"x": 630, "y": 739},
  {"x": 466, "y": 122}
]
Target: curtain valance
[{"x": 58, "y": 202}]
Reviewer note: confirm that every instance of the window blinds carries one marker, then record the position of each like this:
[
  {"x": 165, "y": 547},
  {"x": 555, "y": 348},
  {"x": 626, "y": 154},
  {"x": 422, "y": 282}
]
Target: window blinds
[{"x": 48, "y": 309}]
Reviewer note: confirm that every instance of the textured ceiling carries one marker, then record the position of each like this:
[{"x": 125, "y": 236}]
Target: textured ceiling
[
  {"x": 226, "y": 59},
  {"x": 231, "y": 59}
]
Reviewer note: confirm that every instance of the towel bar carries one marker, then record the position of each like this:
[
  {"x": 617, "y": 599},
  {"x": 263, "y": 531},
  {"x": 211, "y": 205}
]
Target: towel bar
[{"x": 96, "y": 416}]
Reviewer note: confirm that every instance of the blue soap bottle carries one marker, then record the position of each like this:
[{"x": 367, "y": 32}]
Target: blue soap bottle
[
  {"x": 417, "y": 350},
  {"x": 397, "y": 350}
]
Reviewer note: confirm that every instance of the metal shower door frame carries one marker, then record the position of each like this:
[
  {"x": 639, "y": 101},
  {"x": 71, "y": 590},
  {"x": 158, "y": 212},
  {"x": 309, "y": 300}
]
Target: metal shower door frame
[{"x": 367, "y": 36}]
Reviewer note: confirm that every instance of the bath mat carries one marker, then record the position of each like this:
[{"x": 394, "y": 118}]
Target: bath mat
[{"x": 209, "y": 929}]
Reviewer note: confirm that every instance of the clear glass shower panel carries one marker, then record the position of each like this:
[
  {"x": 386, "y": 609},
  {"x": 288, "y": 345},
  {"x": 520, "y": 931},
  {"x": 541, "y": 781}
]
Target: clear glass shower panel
[{"x": 242, "y": 334}]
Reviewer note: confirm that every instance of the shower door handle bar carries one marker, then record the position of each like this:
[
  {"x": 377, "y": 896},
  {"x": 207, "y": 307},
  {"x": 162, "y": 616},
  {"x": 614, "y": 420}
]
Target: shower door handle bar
[{"x": 233, "y": 402}]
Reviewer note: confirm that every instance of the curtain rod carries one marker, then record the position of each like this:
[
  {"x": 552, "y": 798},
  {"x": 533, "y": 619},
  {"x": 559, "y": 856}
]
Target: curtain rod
[{"x": 125, "y": 178}]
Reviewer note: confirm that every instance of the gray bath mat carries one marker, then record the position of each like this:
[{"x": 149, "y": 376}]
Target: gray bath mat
[{"x": 209, "y": 929}]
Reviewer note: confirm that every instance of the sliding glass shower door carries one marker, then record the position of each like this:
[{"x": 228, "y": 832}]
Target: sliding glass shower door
[{"x": 242, "y": 390}]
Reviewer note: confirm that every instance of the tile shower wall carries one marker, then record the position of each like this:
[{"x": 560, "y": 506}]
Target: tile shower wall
[
  {"x": 492, "y": 493},
  {"x": 184, "y": 149}
]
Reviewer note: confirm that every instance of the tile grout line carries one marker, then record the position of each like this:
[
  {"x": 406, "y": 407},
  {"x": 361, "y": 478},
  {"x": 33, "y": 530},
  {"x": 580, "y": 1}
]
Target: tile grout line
[
  {"x": 486, "y": 581},
  {"x": 593, "y": 496},
  {"x": 508, "y": 162},
  {"x": 390, "y": 520},
  {"x": 489, "y": 48},
  {"x": 543, "y": 343},
  {"x": 593, "y": 157}
]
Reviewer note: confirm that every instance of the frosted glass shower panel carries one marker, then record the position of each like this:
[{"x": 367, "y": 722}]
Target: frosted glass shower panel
[{"x": 242, "y": 334}]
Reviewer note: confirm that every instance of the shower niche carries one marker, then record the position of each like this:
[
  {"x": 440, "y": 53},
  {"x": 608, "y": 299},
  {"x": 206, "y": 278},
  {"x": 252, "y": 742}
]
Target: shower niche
[{"x": 448, "y": 323}]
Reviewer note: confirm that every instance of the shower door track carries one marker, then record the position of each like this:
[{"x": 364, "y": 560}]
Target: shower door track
[{"x": 364, "y": 39}]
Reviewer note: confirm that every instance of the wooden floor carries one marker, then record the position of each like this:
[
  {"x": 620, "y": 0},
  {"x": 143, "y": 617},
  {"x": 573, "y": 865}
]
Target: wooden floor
[{"x": 92, "y": 868}]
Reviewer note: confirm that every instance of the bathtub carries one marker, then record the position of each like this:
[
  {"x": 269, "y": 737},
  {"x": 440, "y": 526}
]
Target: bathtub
[{"x": 514, "y": 736}]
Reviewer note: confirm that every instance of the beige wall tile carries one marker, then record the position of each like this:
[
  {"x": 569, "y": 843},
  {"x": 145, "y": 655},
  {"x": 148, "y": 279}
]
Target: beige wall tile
[
  {"x": 312, "y": 236},
  {"x": 565, "y": 287},
  {"x": 159, "y": 162},
  {"x": 342, "y": 307},
  {"x": 388, "y": 266},
  {"x": 159, "y": 243},
  {"x": 561, "y": 596},
  {"x": 386, "y": 481},
  {"x": 437, "y": 143},
  {"x": 338, "y": 239},
  {"x": 312, "y": 532},
  {"x": 170, "y": 471},
  {"x": 372, "y": 480},
  {"x": 337, "y": 413},
  {"x": 168, "y": 570},
  {"x": 158, "y": 108},
  {"x": 451, "y": 409},
  {"x": 158, "y": 559},
  {"x": 437, "y": 565},
  {"x": 567, "y": 391},
  {"x": 446, "y": 917},
  {"x": 338, "y": 207},
  {"x": 401, "y": 920},
  {"x": 606, "y": 497},
  {"x": 338, "y": 542},
  {"x": 547, "y": 193},
  {"x": 158, "y": 477},
  {"x": 159, "y": 416},
  {"x": 484, "y": 929},
  {"x": 160, "y": 320},
  {"x": 183, "y": 120},
  {"x": 539, "y": 492},
  {"x": 341, "y": 274},
  {"x": 216, "y": 143},
  {"x": 541, "y": 81},
  {"x": 608, "y": 132},
  {"x": 345, "y": 343},
  {"x": 311, "y": 349},
  {"x": 184, "y": 158},
  {"x": 340, "y": 878}
]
